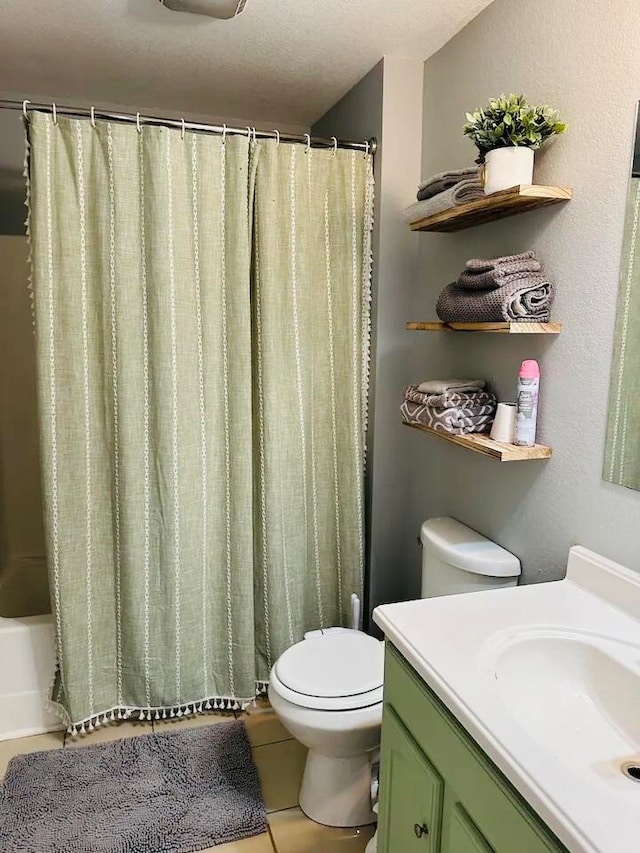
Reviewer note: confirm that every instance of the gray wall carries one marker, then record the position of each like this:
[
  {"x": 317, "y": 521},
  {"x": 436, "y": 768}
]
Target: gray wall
[
  {"x": 23, "y": 573},
  {"x": 582, "y": 58},
  {"x": 13, "y": 213},
  {"x": 387, "y": 103}
]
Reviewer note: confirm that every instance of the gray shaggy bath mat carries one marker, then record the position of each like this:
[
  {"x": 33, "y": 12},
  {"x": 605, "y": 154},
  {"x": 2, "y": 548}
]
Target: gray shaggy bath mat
[{"x": 175, "y": 792}]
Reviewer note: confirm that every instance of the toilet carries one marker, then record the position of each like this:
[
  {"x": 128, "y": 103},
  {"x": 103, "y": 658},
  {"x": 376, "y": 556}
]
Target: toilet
[{"x": 327, "y": 689}]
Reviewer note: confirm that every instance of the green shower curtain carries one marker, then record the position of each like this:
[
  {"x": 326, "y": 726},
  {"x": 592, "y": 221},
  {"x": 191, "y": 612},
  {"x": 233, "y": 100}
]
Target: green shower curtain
[
  {"x": 622, "y": 449},
  {"x": 202, "y": 405},
  {"x": 311, "y": 346}
]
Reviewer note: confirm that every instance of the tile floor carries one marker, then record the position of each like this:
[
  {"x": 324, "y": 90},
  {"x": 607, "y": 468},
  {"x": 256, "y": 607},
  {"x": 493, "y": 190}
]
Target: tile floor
[{"x": 280, "y": 762}]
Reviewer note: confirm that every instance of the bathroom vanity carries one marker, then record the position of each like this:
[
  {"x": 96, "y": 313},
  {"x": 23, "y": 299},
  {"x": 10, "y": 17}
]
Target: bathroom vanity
[
  {"x": 511, "y": 716},
  {"x": 439, "y": 791}
]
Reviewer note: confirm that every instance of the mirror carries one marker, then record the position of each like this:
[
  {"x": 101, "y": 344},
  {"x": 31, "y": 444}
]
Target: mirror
[{"x": 622, "y": 455}]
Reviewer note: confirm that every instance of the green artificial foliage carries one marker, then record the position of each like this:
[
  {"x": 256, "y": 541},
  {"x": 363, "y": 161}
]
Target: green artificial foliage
[{"x": 509, "y": 122}]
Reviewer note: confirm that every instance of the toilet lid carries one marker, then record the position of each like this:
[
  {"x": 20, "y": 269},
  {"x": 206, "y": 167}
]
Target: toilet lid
[{"x": 333, "y": 665}]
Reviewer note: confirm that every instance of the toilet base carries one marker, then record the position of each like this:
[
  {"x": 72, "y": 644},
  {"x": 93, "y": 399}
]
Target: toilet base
[{"x": 337, "y": 791}]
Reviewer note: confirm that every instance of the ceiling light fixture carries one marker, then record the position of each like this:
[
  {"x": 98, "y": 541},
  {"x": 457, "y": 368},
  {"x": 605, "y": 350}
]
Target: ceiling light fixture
[{"x": 212, "y": 8}]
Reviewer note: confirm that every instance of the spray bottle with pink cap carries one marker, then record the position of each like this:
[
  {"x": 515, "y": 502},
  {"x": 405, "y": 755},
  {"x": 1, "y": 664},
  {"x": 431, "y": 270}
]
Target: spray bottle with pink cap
[{"x": 527, "y": 406}]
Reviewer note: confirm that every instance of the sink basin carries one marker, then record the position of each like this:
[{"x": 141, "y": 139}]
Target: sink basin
[
  {"x": 577, "y": 695},
  {"x": 546, "y": 680}
]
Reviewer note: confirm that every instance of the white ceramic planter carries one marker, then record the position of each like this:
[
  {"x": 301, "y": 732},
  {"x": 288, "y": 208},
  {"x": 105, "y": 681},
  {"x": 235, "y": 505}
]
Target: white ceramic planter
[{"x": 507, "y": 167}]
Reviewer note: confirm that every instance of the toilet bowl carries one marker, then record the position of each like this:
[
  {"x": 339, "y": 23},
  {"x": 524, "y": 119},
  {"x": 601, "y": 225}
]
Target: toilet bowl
[{"x": 327, "y": 691}]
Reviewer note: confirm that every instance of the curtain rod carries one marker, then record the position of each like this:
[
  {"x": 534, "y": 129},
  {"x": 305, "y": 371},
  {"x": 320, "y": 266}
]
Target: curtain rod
[{"x": 139, "y": 119}]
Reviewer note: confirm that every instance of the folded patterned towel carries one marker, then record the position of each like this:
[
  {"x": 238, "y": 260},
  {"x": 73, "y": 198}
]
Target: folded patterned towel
[
  {"x": 443, "y": 181},
  {"x": 440, "y": 386},
  {"x": 471, "y": 402},
  {"x": 525, "y": 298},
  {"x": 453, "y": 421},
  {"x": 466, "y": 190},
  {"x": 497, "y": 277}
]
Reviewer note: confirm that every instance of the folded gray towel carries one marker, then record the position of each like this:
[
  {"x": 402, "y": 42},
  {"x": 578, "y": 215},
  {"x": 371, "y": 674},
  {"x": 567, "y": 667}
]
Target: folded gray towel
[
  {"x": 466, "y": 190},
  {"x": 483, "y": 264},
  {"x": 443, "y": 181},
  {"x": 469, "y": 401},
  {"x": 453, "y": 421},
  {"x": 497, "y": 277},
  {"x": 441, "y": 386},
  {"x": 525, "y": 298}
]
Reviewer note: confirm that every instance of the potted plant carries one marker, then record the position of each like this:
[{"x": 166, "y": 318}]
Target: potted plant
[{"x": 506, "y": 132}]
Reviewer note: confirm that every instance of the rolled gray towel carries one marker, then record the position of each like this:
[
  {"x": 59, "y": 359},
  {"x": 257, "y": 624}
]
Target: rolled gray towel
[
  {"x": 443, "y": 181},
  {"x": 453, "y": 421},
  {"x": 525, "y": 298},
  {"x": 464, "y": 191},
  {"x": 497, "y": 277},
  {"x": 483, "y": 264},
  {"x": 450, "y": 399}
]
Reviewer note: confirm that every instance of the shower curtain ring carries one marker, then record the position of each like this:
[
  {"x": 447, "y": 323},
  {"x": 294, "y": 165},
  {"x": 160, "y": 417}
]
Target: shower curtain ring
[
  {"x": 55, "y": 115},
  {"x": 93, "y": 117},
  {"x": 277, "y": 135},
  {"x": 24, "y": 108},
  {"x": 366, "y": 149},
  {"x": 224, "y": 134},
  {"x": 253, "y": 134},
  {"x": 181, "y": 128},
  {"x": 335, "y": 146},
  {"x": 308, "y": 148},
  {"x": 138, "y": 128}
]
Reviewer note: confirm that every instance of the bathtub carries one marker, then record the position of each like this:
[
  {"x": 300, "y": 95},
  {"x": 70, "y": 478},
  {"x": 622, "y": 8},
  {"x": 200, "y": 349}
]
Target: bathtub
[{"x": 27, "y": 661}]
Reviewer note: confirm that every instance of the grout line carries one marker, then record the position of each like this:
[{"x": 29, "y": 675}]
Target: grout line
[
  {"x": 271, "y": 838},
  {"x": 272, "y": 742}
]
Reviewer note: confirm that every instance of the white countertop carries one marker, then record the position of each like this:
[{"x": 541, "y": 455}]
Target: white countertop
[{"x": 464, "y": 647}]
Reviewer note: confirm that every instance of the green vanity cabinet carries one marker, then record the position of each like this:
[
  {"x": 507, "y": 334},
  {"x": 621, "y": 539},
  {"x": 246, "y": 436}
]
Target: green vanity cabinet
[
  {"x": 461, "y": 833},
  {"x": 413, "y": 791},
  {"x": 439, "y": 792}
]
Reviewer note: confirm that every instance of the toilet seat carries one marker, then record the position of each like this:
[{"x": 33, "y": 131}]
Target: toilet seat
[{"x": 334, "y": 671}]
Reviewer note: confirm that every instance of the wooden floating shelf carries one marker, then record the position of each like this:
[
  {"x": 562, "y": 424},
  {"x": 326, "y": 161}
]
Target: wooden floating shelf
[
  {"x": 488, "y": 447},
  {"x": 489, "y": 328},
  {"x": 495, "y": 206}
]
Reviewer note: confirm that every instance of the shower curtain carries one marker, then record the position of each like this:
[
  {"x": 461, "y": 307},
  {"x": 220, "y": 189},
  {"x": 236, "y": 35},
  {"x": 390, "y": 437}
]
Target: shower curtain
[
  {"x": 202, "y": 339},
  {"x": 311, "y": 346}
]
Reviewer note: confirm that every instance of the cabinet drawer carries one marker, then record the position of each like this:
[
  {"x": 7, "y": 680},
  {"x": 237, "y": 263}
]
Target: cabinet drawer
[
  {"x": 492, "y": 803},
  {"x": 411, "y": 793}
]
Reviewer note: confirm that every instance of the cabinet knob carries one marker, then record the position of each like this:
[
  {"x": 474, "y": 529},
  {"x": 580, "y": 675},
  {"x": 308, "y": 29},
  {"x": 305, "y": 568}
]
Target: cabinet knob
[{"x": 420, "y": 829}]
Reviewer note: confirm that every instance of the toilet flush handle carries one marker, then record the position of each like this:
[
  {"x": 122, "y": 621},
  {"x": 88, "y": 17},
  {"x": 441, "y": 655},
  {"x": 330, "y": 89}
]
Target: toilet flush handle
[{"x": 355, "y": 611}]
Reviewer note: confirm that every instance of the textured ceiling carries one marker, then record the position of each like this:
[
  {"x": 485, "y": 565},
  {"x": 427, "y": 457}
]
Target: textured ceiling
[{"x": 281, "y": 60}]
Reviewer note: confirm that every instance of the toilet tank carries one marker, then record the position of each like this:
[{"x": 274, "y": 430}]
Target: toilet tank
[{"x": 457, "y": 559}]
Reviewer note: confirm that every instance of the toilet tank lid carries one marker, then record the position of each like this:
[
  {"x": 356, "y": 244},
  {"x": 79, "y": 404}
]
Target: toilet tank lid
[{"x": 458, "y": 545}]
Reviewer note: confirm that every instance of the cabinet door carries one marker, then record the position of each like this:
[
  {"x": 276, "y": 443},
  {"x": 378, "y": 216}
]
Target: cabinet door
[
  {"x": 504, "y": 819},
  {"x": 411, "y": 793},
  {"x": 460, "y": 834}
]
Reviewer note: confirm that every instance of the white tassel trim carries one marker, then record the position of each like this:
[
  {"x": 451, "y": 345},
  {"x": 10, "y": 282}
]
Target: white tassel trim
[
  {"x": 121, "y": 712},
  {"x": 27, "y": 203},
  {"x": 114, "y": 715},
  {"x": 367, "y": 263}
]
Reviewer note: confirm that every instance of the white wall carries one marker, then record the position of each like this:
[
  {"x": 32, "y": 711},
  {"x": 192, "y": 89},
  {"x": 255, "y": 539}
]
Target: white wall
[
  {"x": 387, "y": 103},
  {"x": 581, "y": 56}
]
